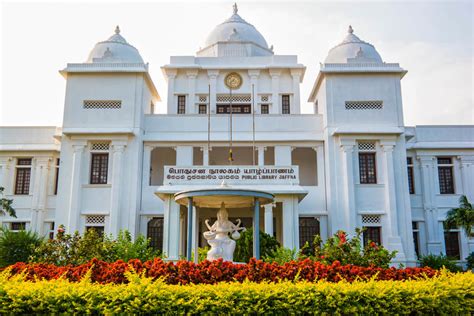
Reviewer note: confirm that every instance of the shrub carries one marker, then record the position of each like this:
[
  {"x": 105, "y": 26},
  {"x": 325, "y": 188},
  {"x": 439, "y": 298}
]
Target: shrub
[
  {"x": 350, "y": 251},
  {"x": 470, "y": 261},
  {"x": 439, "y": 261},
  {"x": 281, "y": 255},
  {"x": 244, "y": 246},
  {"x": 184, "y": 272},
  {"x": 75, "y": 249},
  {"x": 447, "y": 294},
  {"x": 202, "y": 254},
  {"x": 17, "y": 246}
]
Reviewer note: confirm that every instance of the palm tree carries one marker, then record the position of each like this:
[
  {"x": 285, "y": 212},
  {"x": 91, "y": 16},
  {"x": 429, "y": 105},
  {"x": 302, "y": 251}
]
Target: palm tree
[
  {"x": 462, "y": 216},
  {"x": 6, "y": 205}
]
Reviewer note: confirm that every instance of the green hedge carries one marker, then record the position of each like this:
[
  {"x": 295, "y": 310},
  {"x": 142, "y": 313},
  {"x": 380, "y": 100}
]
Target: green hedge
[{"x": 451, "y": 294}]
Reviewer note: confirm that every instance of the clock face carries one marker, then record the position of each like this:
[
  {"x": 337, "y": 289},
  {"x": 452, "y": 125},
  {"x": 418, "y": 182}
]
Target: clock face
[{"x": 233, "y": 80}]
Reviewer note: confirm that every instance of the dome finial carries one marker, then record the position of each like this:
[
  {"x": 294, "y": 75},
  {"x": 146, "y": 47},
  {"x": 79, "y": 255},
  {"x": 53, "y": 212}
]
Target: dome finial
[
  {"x": 235, "y": 8},
  {"x": 117, "y": 30},
  {"x": 350, "y": 30}
]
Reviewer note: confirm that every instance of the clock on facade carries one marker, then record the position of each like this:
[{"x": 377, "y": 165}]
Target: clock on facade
[{"x": 233, "y": 80}]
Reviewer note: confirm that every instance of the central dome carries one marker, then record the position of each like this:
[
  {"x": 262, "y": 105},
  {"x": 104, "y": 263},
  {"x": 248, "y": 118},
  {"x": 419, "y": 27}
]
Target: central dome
[{"x": 236, "y": 30}]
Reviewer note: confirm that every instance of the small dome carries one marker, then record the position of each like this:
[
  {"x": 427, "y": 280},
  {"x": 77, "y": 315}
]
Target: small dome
[
  {"x": 353, "y": 49},
  {"x": 235, "y": 29},
  {"x": 114, "y": 50}
]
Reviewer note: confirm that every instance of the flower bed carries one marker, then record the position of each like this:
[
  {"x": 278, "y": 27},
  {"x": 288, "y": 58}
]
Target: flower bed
[
  {"x": 445, "y": 294},
  {"x": 207, "y": 272}
]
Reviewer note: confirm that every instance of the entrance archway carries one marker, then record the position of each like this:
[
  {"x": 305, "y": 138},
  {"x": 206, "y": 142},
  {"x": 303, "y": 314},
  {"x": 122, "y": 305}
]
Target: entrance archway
[{"x": 212, "y": 198}]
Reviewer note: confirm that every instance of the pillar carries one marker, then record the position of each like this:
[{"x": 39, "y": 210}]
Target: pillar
[
  {"x": 467, "y": 174},
  {"x": 275, "y": 75},
  {"x": 394, "y": 240},
  {"x": 212, "y": 74},
  {"x": 347, "y": 148},
  {"x": 427, "y": 166},
  {"x": 254, "y": 74},
  {"x": 261, "y": 155},
  {"x": 74, "y": 207},
  {"x": 118, "y": 149},
  {"x": 40, "y": 192},
  {"x": 189, "y": 244},
  {"x": 171, "y": 75},
  {"x": 268, "y": 219},
  {"x": 171, "y": 229},
  {"x": 147, "y": 150},
  {"x": 184, "y": 156},
  {"x": 290, "y": 223},
  {"x": 205, "y": 155},
  {"x": 282, "y": 155},
  {"x": 320, "y": 166},
  {"x": 4, "y": 173},
  {"x": 256, "y": 229},
  {"x": 190, "y": 107},
  {"x": 195, "y": 228},
  {"x": 295, "y": 105}
]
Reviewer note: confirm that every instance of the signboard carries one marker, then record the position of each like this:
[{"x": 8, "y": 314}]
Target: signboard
[{"x": 249, "y": 175}]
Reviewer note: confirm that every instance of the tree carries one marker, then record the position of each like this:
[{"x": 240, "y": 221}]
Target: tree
[
  {"x": 462, "y": 216},
  {"x": 6, "y": 205}
]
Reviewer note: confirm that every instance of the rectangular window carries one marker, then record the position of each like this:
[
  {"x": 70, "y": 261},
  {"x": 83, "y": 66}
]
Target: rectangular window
[
  {"x": 416, "y": 231},
  {"x": 367, "y": 168},
  {"x": 181, "y": 104},
  {"x": 411, "y": 184},
  {"x": 152, "y": 108},
  {"x": 372, "y": 234},
  {"x": 155, "y": 232},
  {"x": 17, "y": 226},
  {"x": 51, "y": 230},
  {"x": 451, "y": 241},
  {"x": 56, "y": 180},
  {"x": 309, "y": 228},
  {"x": 445, "y": 176},
  {"x": 202, "y": 108},
  {"x": 99, "y": 168},
  {"x": 236, "y": 108},
  {"x": 23, "y": 176},
  {"x": 264, "y": 109},
  {"x": 285, "y": 104}
]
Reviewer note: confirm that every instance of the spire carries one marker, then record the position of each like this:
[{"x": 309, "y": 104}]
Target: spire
[
  {"x": 350, "y": 30},
  {"x": 117, "y": 30},
  {"x": 235, "y": 8}
]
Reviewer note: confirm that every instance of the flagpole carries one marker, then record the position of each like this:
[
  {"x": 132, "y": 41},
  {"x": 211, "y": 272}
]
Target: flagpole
[
  {"x": 253, "y": 124},
  {"x": 209, "y": 121},
  {"x": 230, "y": 108}
]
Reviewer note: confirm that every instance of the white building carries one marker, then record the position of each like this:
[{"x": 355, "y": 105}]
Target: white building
[{"x": 352, "y": 163}]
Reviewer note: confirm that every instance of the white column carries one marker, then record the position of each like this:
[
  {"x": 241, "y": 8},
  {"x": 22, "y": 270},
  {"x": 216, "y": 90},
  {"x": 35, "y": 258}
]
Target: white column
[
  {"x": 147, "y": 150},
  {"x": 205, "y": 155},
  {"x": 320, "y": 166},
  {"x": 261, "y": 155},
  {"x": 253, "y": 74},
  {"x": 74, "y": 207},
  {"x": 184, "y": 155},
  {"x": 182, "y": 234},
  {"x": 275, "y": 74},
  {"x": 4, "y": 173},
  {"x": 466, "y": 164},
  {"x": 290, "y": 223},
  {"x": 268, "y": 218},
  {"x": 171, "y": 75},
  {"x": 212, "y": 74},
  {"x": 171, "y": 229},
  {"x": 394, "y": 240},
  {"x": 347, "y": 149},
  {"x": 41, "y": 193},
  {"x": 191, "y": 74},
  {"x": 296, "y": 104},
  {"x": 427, "y": 167},
  {"x": 117, "y": 157},
  {"x": 282, "y": 155}
]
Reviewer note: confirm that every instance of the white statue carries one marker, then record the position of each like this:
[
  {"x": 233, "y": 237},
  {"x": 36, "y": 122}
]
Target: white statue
[{"x": 222, "y": 246}]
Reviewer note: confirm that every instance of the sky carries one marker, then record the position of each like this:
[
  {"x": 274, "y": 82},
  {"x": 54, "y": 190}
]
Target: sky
[{"x": 433, "y": 40}]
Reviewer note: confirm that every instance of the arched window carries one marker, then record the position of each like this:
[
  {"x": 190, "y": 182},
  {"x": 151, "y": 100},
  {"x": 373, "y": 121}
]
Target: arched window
[{"x": 155, "y": 232}]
